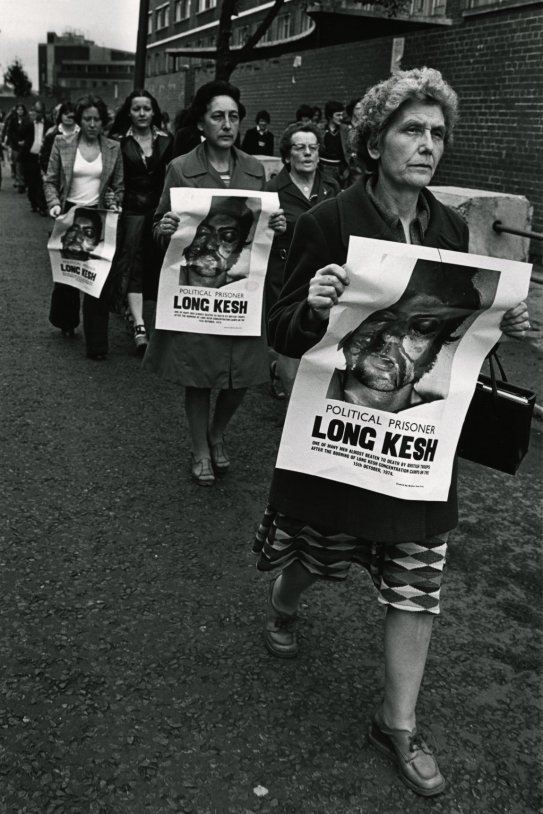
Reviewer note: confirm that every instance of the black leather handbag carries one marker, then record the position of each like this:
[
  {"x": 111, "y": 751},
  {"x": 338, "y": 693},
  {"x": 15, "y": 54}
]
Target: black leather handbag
[{"x": 496, "y": 431}]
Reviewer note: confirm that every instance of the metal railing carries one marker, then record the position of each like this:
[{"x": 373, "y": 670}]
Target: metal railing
[{"x": 499, "y": 227}]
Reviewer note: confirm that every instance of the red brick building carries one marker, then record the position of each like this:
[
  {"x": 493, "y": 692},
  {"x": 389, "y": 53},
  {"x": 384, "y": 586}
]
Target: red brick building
[{"x": 490, "y": 52}]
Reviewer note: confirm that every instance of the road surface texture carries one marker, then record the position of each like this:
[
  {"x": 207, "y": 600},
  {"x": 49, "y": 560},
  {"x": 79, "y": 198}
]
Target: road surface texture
[{"x": 134, "y": 676}]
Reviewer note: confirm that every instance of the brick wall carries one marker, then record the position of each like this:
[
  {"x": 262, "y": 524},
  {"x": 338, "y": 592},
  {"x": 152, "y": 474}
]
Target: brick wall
[{"x": 493, "y": 61}]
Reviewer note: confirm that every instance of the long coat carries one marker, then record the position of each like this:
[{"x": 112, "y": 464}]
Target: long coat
[
  {"x": 58, "y": 178},
  {"x": 202, "y": 360},
  {"x": 321, "y": 237},
  {"x": 294, "y": 203}
]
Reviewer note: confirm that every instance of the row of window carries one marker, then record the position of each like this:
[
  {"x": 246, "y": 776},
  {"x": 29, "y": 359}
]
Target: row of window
[
  {"x": 83, "y": 83},
  {"x": 89, "y": 67},
  {"x": 160, "y": 17}
]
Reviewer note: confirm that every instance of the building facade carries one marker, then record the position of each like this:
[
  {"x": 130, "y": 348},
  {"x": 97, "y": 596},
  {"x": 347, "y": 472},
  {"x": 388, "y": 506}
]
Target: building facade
[
  {"x": 70, "y": 66},
  {"x": 489, "y": 50}
]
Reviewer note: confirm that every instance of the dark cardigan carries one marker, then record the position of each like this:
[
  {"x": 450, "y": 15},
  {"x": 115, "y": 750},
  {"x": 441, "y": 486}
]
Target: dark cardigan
[{"x": 322, "y": 237}]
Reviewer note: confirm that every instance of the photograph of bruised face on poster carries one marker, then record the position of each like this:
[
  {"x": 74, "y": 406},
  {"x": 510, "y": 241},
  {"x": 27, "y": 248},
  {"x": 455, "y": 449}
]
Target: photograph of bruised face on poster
[
  {"x": 388, "y": 354},
  {"x": 217, "y": 245},
  {"x": 80, "y": 240}
]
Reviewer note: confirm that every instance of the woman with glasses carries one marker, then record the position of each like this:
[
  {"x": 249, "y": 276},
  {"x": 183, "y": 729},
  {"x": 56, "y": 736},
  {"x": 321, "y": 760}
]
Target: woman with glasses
[
  {"x": 300, "y": 185},
  {"x": 200, "y": 362}
]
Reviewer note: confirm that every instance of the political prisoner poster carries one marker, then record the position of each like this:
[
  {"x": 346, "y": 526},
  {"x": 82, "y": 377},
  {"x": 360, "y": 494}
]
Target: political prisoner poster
[
  {"x": 81, "y": 248},
  {"x": 380, "y": 401},
  {"x": 212, "y": 277}
]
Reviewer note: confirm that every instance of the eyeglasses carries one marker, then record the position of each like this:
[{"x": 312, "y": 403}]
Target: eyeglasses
[{"x": 301, "y": 148}]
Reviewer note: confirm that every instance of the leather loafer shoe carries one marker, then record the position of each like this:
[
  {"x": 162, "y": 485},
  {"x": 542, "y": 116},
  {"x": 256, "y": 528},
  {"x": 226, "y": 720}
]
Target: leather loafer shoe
[
  {"x": 280, "y": 633},
  {"x": 416, "y": 763}
]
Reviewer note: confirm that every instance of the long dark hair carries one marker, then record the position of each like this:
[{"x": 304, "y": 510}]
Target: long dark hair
[{"x": 122, "y": 122}]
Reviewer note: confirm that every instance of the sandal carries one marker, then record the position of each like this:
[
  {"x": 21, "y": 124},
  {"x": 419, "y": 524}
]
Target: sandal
[
  {"x": 140, "y": 338},
  {"x": 219, "y": 458},
  {"x": 202, "y": 471}
]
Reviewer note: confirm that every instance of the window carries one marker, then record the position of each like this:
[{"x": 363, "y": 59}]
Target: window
[
  {"x": 205, "y": 5},
  {"x": 150, "y": 23},
  {"x": 475, "y": 5},
  {"x": 182, "y": 10},
  {"x": 283, "y": 27},
  {"x": 162, "y": 16},
  {"x": 439, "y": 7},
  {"x": 242, "y": 35}
]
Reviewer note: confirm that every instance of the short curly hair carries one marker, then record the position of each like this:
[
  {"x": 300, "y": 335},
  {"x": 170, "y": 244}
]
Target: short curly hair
[
  {"x": 297, "y": 127},
  {"x": 382, "y": 102}
]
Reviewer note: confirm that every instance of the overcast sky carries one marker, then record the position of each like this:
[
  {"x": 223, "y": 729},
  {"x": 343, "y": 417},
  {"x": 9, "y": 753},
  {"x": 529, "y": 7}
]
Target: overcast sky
[{"x": 25, "y": 23}]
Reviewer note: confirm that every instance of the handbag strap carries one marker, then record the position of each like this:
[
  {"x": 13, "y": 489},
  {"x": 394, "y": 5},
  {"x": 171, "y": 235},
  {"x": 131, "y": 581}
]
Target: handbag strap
[
  {"x": 493, "y": 361},
  {"x": 494, "y": 358}
]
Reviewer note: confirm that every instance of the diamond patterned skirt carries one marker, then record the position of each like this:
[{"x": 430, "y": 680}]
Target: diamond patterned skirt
[{"x": 406, "y": 575}]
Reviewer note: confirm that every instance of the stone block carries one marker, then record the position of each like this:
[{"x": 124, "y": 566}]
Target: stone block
[
  {"x": 480, "y": 209},
  {"x": 272, "y": 164}
]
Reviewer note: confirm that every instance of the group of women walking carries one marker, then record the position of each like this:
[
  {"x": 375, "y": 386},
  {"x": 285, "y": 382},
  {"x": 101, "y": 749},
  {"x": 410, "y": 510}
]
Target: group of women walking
[{"x": 313, "y": 528}]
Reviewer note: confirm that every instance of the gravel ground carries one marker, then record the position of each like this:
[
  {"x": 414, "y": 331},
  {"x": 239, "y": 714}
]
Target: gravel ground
[{"x": 134, "y": 678}]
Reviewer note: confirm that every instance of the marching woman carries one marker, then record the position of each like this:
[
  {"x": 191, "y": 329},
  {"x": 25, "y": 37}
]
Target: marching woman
[
  {"x": 203, "y": 363},
  {"x": 146, "y": 150},
  {"x": 65, "y": 126},
  {"x": 84, "y": 171},
  {"x": 317, "y": 527}
]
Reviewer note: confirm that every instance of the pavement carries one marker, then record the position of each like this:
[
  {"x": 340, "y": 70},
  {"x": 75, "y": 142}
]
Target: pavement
[{"x": 134, "y": 679}]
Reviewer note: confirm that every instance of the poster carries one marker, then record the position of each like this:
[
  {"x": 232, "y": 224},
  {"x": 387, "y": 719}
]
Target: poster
[
  {"x": 212, "y": 277},
  {"x": 380, "y": 401},
  {"x": 81, "y": 248}
]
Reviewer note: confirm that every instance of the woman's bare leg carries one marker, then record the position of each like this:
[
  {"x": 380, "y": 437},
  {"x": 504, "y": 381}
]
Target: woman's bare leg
[
  {"x": 290, "y": 585},
  {"x": 228, "y": 402},
  {"x": 197, "y": 402},
  {"x": 407, "y": 639}
]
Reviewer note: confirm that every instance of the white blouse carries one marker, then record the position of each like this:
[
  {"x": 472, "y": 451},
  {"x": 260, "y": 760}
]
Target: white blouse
[{"x": 85, "y": 187}]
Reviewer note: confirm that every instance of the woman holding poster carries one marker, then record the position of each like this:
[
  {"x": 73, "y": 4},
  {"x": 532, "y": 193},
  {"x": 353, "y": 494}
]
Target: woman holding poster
[
  {"x": 84, "y": 171},
  {"x": 202, "y": 362},
  {"x": 318, "y": 527}
]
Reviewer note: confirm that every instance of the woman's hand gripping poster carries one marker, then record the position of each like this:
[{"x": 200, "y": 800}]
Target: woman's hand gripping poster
[
  {"x": 212, "y": 277},
  {"x": 380, "y": 401}
]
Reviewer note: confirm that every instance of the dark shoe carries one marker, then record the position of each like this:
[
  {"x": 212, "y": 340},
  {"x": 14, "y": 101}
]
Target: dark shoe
[
  {"x": 202, "y": 471},
  {"x": 97, "y": 357},
  {"x": 68, "y": 333},
  {"x": 219, "y": 458},
  {"x": 416, "y": 763},
  {"x": 280, "y": 630},
  {"x": 276, "y": 386},
  {"x": 140, "y": 339},
  {"x": 128, "y": 322}
]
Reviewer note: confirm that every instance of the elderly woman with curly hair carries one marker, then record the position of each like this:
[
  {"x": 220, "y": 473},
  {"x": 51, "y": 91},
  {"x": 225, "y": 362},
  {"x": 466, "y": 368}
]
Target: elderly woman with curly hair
[{"x": 317, "y": 528}]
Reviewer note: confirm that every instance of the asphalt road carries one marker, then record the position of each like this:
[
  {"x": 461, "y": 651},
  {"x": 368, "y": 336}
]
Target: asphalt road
[{"x": 134, "y": 678}]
